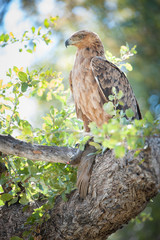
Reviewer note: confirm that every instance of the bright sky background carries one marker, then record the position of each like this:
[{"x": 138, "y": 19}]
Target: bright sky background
[{"x": 16, "y": 21}]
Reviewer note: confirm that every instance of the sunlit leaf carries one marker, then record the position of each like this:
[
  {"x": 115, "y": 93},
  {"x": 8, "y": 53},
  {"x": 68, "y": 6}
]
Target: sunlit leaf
[
  {"x": 13, "y": 201},
  {"x": 46, "y": 23},
  {"x": 6, "y": 37},
  {"x": 22, "y": 76},
  {"x": 129, "y": 113},
  {"x": 23, "y": 200},
  {"x": 109, "y": 108},
  {"x": 128, "y": 66},
  {"x": 49, "y": 96},
  {"x": 123, "y": 49},
  {"x": 39, "y": 30},
  {"x": 114, "y": 90},
  {"x": 15, "y": 69},
  {"x": 149, "y": 117},
  {"x": 29, "y": 50},
  {"x": 2, "y": 203},
  {"x": 1, "y": 81},
  {"x": 11, "y": 34},
  {"x": 119, "y": 95},
  {"x": 133, "y": 49},
  {"x": 16, "y": 238},
  {"x": 96, "y": 145},
  {"x": 33, "y": 29},
  {"x": 119, "y": 151},
  {"x": 111, "y": 97},
  {"x": 6, "y": 197}
]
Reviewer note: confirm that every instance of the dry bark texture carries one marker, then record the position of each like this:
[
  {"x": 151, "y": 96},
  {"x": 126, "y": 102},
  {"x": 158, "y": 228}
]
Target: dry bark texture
[
  {"x": 10, "y": 145},
  {"x": 119, "y": 190}
]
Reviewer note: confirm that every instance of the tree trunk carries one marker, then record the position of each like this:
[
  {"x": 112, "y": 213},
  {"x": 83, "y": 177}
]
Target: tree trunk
[{"x": 119, "y": 190}]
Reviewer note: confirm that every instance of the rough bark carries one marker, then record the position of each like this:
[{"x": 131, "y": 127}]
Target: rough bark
[
  {"x": 119, "y": 190},
  {"x": 10, "y": 145}
]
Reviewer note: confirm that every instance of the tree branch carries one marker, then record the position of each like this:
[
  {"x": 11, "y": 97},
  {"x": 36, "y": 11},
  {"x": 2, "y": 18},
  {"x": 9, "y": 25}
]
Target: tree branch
[
  {"x": 119, "y": 190},
  {"x": 10, "y": 145}
]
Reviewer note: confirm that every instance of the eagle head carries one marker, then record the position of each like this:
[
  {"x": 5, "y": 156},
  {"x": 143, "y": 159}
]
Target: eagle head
[{"x": 83, "y": 39}]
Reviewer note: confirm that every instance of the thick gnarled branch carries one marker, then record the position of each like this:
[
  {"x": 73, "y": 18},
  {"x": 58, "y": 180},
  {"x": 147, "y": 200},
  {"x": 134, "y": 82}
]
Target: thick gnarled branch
[{"x": 119, "y": 190}]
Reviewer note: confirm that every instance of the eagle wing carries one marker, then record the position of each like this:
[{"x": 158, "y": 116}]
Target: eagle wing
[{"x": 107, "y": 76}]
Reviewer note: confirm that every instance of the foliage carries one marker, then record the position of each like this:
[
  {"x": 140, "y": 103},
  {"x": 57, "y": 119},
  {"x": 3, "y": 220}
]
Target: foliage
[
  {"x": 125, "y": 53},
  {"x": 30, "y": 38},
  {"x": 121, "y": 133},
  {"x": 29, "y": 181},
  {"x": 26, "y": 180}
]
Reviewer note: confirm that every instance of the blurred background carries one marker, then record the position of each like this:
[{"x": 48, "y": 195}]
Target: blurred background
[{"x": 116, "y": 22}]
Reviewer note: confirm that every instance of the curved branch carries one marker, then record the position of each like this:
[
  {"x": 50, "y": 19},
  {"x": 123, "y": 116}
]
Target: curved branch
[{"x": 10, "y": 145}]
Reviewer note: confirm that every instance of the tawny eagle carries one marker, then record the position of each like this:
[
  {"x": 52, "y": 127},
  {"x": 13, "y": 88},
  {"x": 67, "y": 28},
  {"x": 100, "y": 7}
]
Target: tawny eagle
[{"x": 92, "y": 79}]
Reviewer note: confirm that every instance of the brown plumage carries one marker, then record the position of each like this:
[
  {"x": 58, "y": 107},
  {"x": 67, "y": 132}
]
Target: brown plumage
[{"x": 91, "y": 81}]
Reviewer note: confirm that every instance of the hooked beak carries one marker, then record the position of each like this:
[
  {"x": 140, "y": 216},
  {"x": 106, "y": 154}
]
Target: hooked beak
[{"x": 67, "y": 43}]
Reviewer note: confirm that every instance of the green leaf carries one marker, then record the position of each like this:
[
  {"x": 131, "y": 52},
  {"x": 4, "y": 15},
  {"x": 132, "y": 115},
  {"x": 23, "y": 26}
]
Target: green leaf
[
  {"x": 149, "y": 117},
  {"x": 141, "y": 161},
  {"x": 111, "y": 97},
  {"x": 123, "y": 49},
  {"x": 22, "y": 76},
  {"x": 6, "y": 197},
  {"x": 24, "y": 87},
  {"x": 24, "y": 34},
  {"x": 64, "y": 197},
  {"x": 6, "y": 38},
  {"x": 16, "y": 238},
  {"x": 39, "y": 30},
  {"x": 32, "y": 170},
  {"x": 35, "y": 83},
  {"x": 2, "y": 203},
  {"x": 109, "y": 108},
  {"x": 119, "y": 151},
  {"x": 49, "y": 96},
  {"x": 14, "y": 200},
  {"x": 15, "y": 69},
  {"x": 120, "y": 95},
  {"x": 140, "y": 143},
  {"x": 137, "y": 153},
  {"x": 131, "y": 141},
  {"x": 2, "y": 37},
  {"x": 114, "y": 90},
  {"x": 53, "y": 19},
  {"x": 23, "y": 200},
  {"x": 121, "y": 103},
  {"x": 133, "y": 49},
  {"x": 109, "y": 143},
  {"x": 33, "y": 29},
  {"x": 29, "y": 50},
  {"x": 128, "y": 66},
  {"x": 34, "y": 46},
  {"x": 27, "y": 131},
  {"x": 129, "y": 113},
  {"x": 46, "y": 23},
  {"x": 96, "y": 145}
]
